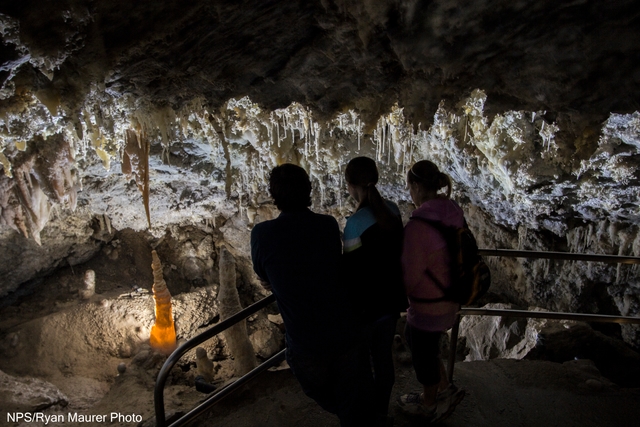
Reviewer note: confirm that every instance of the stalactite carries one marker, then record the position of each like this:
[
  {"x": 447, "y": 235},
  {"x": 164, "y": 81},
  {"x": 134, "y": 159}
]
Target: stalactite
[
  {"x": 236, "y": 336},
  {"x": 33, "y": 201},
  {"x": 251, "y": 214},
  {"x": 42, "y": 174},
  {"x": 11, "y": 212},
  {"x": 135, "y": 163},
  {"x": 50, "y": 99},
  {"x": 55, "y": 170},
  {"x": 163, "y": 332},
  {"x": 316, "y": 129},
  {"x": 107, "y": 222},
  {"x": 6, "y": 165}
]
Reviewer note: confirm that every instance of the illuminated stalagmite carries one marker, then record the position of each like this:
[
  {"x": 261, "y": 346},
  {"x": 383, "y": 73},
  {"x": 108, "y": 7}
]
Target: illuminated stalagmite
[
  {"x": 236, "y": 336},
  {"x": 163, "y": 332}
]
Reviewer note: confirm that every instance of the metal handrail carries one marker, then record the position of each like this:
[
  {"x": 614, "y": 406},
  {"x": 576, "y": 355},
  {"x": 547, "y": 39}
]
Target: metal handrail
[
  {"x": 220, "y": 394},
  {"x": 539, "y": 314},
  {"x": 580, "y": 317},
  {"x": 158, "y": 392},
  {"x": 512, "y": 253}
]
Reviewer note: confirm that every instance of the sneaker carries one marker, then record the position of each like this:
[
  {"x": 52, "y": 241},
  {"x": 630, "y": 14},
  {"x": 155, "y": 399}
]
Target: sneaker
[
  {"x": 451, "y": 389},
  {"x": 447, "y": 404},
  {"x": 413, "y": 404}
]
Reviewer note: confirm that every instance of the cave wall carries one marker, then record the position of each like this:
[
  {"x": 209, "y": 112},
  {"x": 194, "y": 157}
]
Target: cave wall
[
  {"x": 529, "y": 106},
  {"x": 525, "y": 181}
]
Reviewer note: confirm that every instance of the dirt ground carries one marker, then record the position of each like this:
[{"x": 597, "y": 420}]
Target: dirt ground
[{"x": 500, "y": 393}]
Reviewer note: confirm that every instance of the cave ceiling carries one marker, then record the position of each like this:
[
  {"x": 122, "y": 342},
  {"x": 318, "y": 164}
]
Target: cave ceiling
[
  {"x": 579, "y": 56},
  {"x": 143, "y": 115}
]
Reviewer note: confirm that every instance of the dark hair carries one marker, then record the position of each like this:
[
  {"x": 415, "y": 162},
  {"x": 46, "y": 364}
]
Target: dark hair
[
  {"x": 290, "y": 187},
  {"x": 427, "y": 175},
  {"x": 362, "y": 172}
]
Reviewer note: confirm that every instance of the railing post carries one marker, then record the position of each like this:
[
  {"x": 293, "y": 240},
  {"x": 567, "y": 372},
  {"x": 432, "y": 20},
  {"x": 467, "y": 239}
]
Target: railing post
[{"x": 453, "y": 345}]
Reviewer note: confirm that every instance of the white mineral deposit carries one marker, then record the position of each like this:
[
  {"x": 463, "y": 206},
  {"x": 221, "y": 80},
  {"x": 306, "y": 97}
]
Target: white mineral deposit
[
  {"x": 88, "y": 288},
  {"x": 129, "y": 129}
]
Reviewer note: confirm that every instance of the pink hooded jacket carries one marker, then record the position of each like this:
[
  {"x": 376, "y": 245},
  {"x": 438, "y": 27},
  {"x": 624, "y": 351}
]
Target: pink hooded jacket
[{"x": 425, "y": 248}]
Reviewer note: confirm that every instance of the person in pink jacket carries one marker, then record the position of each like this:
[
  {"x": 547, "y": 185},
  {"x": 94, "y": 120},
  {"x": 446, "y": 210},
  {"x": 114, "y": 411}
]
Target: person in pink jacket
[{"x": 425, "y": 257}]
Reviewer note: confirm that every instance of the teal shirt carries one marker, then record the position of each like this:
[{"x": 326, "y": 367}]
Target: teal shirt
[{"x": 359, "y": 222}]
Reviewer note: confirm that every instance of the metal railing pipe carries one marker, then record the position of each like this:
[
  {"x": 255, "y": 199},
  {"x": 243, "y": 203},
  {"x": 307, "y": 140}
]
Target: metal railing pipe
[
  {"x": 453, "y": 347},
  {"x": 158, "y": 392},
  {"x": 512, "y": 253},
  {"x": 580, "y": 317},
  {"x": 219, "y": 395}
]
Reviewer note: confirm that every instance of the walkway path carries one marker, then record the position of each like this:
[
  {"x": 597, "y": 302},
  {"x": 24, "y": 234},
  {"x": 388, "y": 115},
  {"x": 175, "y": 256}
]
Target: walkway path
[{"x": 501, "y": 393}]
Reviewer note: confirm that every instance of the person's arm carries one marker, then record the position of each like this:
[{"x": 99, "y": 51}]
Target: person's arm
[
  {"x": 336, "y": 240},
  {"x": 255, "y": 258},
  {"x": 413, "y": 257},
  {"x": 423, "y": 249}
]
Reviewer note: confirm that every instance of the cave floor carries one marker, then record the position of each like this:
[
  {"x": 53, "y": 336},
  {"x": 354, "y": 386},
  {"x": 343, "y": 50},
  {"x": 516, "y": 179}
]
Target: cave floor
[{"x": 499, "y": 393}]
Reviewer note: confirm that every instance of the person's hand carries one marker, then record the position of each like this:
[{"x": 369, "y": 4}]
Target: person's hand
[{"x": 265, "y": 284}]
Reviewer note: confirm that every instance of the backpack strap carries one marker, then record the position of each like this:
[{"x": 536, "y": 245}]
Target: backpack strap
[
  {"x": 438, "y": 226},
  {"x": 426, "y": 300}
]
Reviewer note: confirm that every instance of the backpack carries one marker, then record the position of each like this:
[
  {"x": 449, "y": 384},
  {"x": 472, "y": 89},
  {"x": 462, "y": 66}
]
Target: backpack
[{"x": 470, "y": 276}]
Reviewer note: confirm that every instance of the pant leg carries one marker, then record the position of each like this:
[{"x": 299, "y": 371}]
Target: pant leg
[
  {"x": 425, "y": 354},
  {"x": 340, "y": 384},
  {"x": 314, "y": 376},
  {"x": 354, "y": 388},
  {"x": 380, "y": 346}
]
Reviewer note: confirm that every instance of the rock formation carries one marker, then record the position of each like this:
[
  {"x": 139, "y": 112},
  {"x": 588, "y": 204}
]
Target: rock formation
[
  {"x": 236, "y": 336},
  {"x": 163, "y": 332},
  {"x": 88, "y": 288},
  {"x": 26, "y": 394},
  {"x": 204, "y": 365}
]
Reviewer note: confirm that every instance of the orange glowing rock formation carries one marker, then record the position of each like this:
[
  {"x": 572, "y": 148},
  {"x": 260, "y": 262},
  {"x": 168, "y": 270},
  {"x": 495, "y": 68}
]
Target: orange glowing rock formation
[{"x": 163, "y": 332}]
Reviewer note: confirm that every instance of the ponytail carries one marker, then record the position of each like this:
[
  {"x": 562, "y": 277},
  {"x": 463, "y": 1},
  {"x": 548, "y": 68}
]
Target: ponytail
[
  {"x": 387, "y": 219},
  {"x": 444, "y": 180},
  {"x": 427, "y": 175}
]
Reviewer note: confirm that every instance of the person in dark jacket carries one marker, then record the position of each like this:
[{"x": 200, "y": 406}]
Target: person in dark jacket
[
  {"x": 372, "y": 248},
  {"x": 297, "y": 256}
]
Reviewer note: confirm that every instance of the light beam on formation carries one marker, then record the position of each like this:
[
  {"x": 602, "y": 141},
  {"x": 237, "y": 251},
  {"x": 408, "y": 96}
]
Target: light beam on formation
[{"x": 163, "y": 332}]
